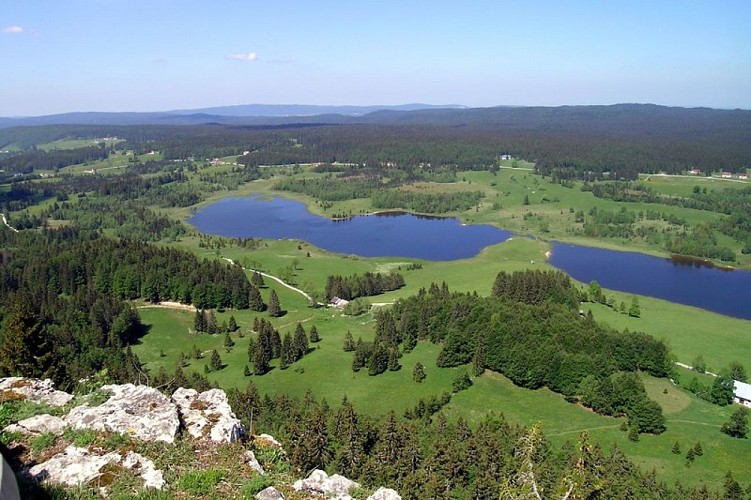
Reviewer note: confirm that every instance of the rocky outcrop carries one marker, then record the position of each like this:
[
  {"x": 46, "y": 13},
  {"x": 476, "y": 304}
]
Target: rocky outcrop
[
  {"x": 35, "y": 390},
  {"x": 320, "y": 483},
  {"x": 39, "y": 424},
  {"x": 208, "y": 414},
  {"x": 253, "y": 463},
  {"x": 269, "y": 493},
  {"x": 72, "y": 467},
  {"x": 385, "y": 494},
  {"x": 76, "y": 466},
  {"x": 152, "y": 477},
  {"x": 141, "y": 412},
  {"x": 267, "y": 440}
]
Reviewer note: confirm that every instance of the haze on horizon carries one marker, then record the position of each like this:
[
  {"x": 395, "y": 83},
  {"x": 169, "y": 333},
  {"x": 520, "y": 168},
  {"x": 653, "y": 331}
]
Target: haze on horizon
[{"x": 136, "y": 55}]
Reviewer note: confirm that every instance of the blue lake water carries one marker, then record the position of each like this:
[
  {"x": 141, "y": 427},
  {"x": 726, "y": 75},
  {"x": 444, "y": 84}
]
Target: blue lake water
[
  {"x": 725, "y": 292},
  {"x": 429, "y": 238},
  {"x": 383, "y": 235}
]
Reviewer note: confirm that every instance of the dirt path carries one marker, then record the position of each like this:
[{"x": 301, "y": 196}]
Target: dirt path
[
  {"x": 278, "y": 280},
  {"x": 169, "y": 305},
  {"x": 5, "y": 221}
]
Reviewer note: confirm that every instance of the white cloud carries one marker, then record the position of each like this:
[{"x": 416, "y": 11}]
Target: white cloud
[
  {"x": 250, "y": 56},
  {"x": 13, "y": 29}
]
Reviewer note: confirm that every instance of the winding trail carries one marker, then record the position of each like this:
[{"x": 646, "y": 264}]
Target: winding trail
[
  {"x": 5, "y": 221},
  {"x": 278, "y": 280}
]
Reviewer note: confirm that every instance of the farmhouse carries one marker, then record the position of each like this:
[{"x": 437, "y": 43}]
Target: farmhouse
[
  {"x": 727, "y": 175},
  {"x": 337, "y": 302},
  {"x": 742, "y": 392},
  {"x": 505, "y": 157},
  {"x": 743, "y": 176}
]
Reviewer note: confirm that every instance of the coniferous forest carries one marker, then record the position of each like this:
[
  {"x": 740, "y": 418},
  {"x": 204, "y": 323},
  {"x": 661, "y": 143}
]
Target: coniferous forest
[{"x": 93, "y": 235}]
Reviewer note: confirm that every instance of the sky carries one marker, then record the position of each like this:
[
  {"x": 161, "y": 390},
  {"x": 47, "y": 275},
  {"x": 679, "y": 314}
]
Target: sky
[{"x": 154, "y": 55}]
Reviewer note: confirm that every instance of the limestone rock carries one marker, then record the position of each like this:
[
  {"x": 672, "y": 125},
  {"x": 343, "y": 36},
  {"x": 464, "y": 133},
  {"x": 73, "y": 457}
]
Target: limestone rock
[
  {"x": 208, "y": 414},
  {"x": 141, "y": 412},
  {"x": 318, "y": 482},
  {"x": 269, "y": 493},
  {"x": 385, "y": 494},
  {"x": 35, "y": 390},
  {"x": 253, "y": 463},
  {"x": 39, "y": 424},
  {"x": 72, "y": 467},
  {"x": 268, "y": 440},
  {"x": 77, "y": 466},
  {"x": 152, "y": 477}
]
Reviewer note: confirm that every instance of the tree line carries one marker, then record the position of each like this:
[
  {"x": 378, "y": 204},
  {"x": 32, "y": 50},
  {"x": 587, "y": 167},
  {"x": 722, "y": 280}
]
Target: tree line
[
  {"x": 536, "y": 338},
  {"x": 362, "y": 285}
]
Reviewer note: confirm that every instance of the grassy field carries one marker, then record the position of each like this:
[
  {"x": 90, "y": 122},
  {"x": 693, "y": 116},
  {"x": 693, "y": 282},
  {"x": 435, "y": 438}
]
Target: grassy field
[{"x": 326, "y": 370}]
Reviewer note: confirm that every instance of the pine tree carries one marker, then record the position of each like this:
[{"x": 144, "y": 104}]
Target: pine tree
[
  {"x": 676, "y": 448},
  {"x": 379, "y": 359},
  {"x": 300, "y": 343},
  {"x": 314, "y": 337},
  {"x": 274, "y": 309},
  {"x": 478, "y": 358},
  {"x": 228, "y": 342},
  {"x": 698, "y": 450},
  {"x": 393, "y": 363},
  {"x": 215, "y": 363},
  {"x": 634, "y": 311},
  {"x": 232, "y": 325},
  {"x": 255, "y": 301},
  {"x": 349, "y": 343},
  {"x": 418, "y": 374},
  {"x": 251, "y": 348},
  {"x": 260, "y": 360},
  {"x": 199, "y": 321},
  {"x": 257, "y": 280},
  {"x": 286, "y": 357},
  {"x": 211, "y": 326}
]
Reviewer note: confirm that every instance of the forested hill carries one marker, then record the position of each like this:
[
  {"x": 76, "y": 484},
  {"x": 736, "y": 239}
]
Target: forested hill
[{"x": 565, "y": 142}]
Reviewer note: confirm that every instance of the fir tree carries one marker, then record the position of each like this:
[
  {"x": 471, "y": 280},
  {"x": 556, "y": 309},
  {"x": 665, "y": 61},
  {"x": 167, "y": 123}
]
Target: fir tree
[
  {"x": 255, "y": 301},
  {"x": 393, "y": 363},
  {"x": 232, "y": 325},
  {"x": 215, "y": 363},
  {"x": 286, "y": 357},
  {"x": 274, "y": 309},
  {"x": 228, "y": 342},
  {"x": 634, "y": 311},
  {"x": 246, "y": 371},
  {"x": 418, "y": 374},
  {"x": 299, "y": 343},
  {"x": 199, "y": 321},
  {"x": 698, "y": 450},
  {"x": 257, "y": 280},
  {"x": 676, "y": 448},
  {"x": 314, "y": 337},
  {"x": 349, "y": 343},
  {"x": 260, "y": 360}
]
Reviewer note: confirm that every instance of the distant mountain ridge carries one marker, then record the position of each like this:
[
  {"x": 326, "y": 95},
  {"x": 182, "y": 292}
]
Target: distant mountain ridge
[{"x": 243, "y": 114}]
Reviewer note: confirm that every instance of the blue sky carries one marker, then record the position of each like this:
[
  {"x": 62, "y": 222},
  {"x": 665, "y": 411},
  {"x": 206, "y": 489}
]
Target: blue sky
[{"x": 149, "y": 55}]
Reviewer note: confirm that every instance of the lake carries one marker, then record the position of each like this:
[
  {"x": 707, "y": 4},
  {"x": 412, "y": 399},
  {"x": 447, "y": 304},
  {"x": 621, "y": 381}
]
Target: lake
[
  {"x": 433, "y": 238},
  {"x": 391, "y": 234}
]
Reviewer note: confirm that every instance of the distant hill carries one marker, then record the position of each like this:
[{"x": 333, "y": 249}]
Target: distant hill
[{"x": 246, "y": 114}]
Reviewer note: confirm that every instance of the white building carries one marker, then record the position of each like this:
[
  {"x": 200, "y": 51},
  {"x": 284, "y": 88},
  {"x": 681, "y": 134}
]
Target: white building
[{"x": 742, "y": 392}]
